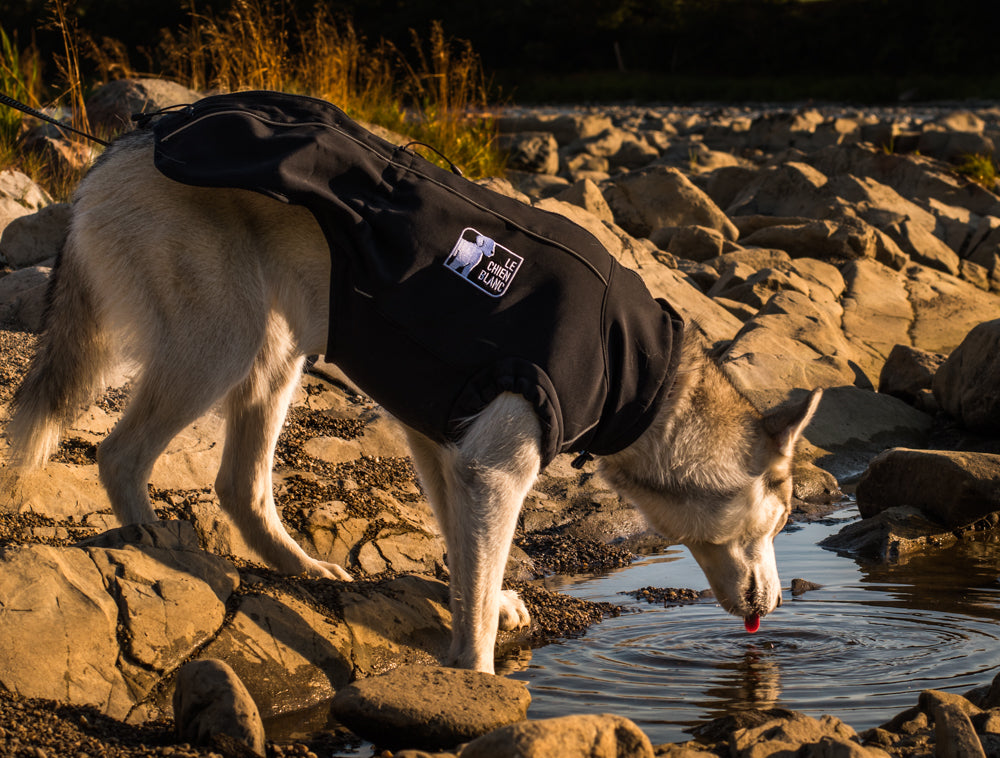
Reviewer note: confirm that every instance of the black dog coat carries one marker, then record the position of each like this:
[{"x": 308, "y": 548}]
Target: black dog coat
[{"x": 443, "y": 294}]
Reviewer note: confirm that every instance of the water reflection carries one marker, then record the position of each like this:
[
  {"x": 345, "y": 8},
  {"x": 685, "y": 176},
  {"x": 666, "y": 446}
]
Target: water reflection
[{"x": 751, "y": 681}]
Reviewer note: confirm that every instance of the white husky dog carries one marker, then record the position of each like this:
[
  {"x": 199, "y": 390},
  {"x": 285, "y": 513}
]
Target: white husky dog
[{"x": 218, "y": 295}]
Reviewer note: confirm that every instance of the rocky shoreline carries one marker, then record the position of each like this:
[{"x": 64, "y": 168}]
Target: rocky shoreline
[{"x": 813, "y": 246}]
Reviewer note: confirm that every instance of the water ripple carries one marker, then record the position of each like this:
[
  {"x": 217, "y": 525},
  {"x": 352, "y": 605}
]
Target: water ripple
[{"x": 861, "y": 650}]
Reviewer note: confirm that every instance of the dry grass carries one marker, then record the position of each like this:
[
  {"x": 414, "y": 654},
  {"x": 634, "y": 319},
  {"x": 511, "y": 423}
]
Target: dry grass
[
  {"x": 263, "y": 44},
  {"x": 427, "y": 94}
]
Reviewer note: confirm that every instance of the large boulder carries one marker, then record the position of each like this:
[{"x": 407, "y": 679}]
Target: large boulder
[
  {"x": 953, "y": 488},
  {"x": 908, "y": 373},
  {"x": 112, "y": 105},
  {"x": 36, "y": 237},
  {"x": 791, "y": 343},
  {"x": 967, "y": 385},
  {"x": 99, "y": 624},
  {"x": 646, "y": 200}
]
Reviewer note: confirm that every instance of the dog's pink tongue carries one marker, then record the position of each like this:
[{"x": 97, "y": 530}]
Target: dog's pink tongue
[{"x": 752, "y": 623}]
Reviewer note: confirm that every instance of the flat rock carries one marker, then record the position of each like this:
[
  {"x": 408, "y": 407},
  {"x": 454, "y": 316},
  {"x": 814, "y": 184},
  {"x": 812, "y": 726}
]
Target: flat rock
[
  {"x": 877, "y": 309},
  {"x": 100, "y": 623},
  {"x": 429, "y": 707},
  {"x": 945, "y": 308},
  {"x": 791, "y": 343}
]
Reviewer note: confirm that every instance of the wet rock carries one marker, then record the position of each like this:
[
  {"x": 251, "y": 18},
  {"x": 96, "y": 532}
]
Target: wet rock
[
  {"x": 288, "y": 653},
  {"x": 406, "y": 621},
  {"x": 429, "y": 707},
  {"x": 891, "y": 535},
  {"x": 967, "y": 385},
  {"x": 802, "y": 586},
  {"x": 210, "y": 702},
  {"x": 954, "y": 734},
  {"x": 591, "y": 736},
  {"x": 954, "y": 489},
  {"x": 953, "y": 730}
]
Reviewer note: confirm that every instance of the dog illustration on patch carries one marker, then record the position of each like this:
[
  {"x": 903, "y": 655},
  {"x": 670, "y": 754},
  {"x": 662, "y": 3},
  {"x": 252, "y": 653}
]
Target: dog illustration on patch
[
  {"x": 468, "y": 253},
  {"x": 483, "y": 262}
]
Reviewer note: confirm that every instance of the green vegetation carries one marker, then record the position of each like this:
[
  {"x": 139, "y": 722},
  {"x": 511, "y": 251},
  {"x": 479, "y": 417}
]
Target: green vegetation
[
  {"x": 980, "y": 168},
  {"x": 266, "y": 44}
]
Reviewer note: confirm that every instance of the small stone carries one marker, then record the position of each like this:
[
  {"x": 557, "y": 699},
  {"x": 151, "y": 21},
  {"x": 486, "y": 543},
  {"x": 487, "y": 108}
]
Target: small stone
[{"x": 801, "y": 586}]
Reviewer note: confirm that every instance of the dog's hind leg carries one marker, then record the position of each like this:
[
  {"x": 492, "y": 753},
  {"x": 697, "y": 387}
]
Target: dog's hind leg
[
  {"x": 170, "y": 393},
  {"x": 255, "y": 411},
  {"x": 486, "y": 477}
]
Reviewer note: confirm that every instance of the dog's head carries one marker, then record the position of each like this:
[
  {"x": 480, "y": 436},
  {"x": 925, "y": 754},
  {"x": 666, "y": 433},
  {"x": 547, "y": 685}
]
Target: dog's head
[{"x": 725, "y": 494}]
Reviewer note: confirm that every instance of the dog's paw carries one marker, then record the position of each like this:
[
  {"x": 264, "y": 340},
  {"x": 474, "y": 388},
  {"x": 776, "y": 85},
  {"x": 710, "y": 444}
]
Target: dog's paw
[
  {"x": 324, "y": 570},
  {"x": 513, "y": 612}
]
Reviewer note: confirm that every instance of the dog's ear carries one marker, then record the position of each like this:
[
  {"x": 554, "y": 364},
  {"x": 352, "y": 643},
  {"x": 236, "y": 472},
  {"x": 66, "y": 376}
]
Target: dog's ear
[{"x": 786, "y": 423}]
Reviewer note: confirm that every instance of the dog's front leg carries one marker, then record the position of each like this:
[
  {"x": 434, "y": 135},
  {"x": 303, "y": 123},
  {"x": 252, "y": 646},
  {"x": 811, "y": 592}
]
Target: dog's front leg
[{"x": 486, "y": 477}]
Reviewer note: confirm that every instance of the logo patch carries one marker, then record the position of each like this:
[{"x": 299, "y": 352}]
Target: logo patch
[{"x": 483, "y": 262}]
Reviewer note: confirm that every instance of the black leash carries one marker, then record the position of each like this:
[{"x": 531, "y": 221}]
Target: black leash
[{"x": 7, "y": 100}]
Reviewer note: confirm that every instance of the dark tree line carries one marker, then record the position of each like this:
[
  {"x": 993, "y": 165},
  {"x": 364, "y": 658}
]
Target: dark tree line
[{"x": 680, "y": 37}]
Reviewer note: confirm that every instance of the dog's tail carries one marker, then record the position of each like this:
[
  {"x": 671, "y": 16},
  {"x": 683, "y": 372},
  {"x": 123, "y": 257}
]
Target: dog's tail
[{"x": 70, "y": 359}]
